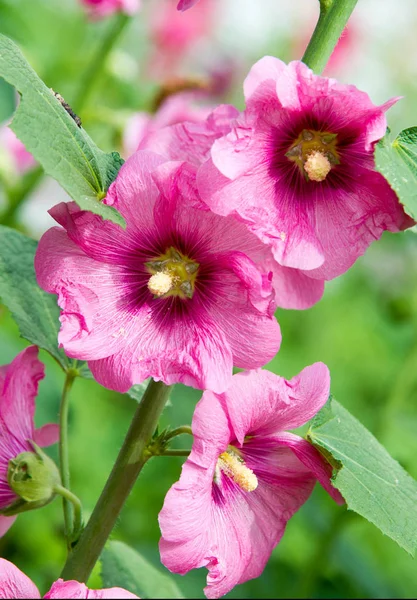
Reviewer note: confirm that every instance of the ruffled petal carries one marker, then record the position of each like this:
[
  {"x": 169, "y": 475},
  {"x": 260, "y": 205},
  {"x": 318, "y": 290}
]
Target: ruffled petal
[
  {"x": 89, "y": 294},
  {"x": 259, "y": 402},
  {"x": 17, "y": 403},
  {"x": 14, "y": 583},
  {"x": 195, "y": 354},
  {"x": 73, "y": 589}
]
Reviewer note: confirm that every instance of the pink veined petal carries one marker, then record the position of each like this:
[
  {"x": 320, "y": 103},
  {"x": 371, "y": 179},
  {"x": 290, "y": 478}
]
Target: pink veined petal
[
  {"x": 180, "y": 352},
  {"x": 261, "y": 402},
  {"x": 312, "y": 459},
  {"x": 73, "y": 589},
  {"x": 88, "y": 292},
  {"x": 46, "y": 435},
  {"x": 294, "y": 289},
  {"x": 14, "y": 583},
  {"x": 5, "y": 524},
  {"x": 17, "y": 403}
]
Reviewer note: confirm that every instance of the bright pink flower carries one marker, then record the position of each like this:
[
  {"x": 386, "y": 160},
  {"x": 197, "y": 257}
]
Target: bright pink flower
[
  {"x": 298, "y": 169},
  {"x": 98, "y": 9},
  {"x": 174, "y": 33},
  {"x": 18, "y": 390},
  {"x": 14, "y": 151},
  {"x": 192, "y": 142},
  {"x": 15, "y": 584},
  {"x": 177, "y": 296},
  {"x": 175, "y": 109},
  {"x": 245, "y": 477}
]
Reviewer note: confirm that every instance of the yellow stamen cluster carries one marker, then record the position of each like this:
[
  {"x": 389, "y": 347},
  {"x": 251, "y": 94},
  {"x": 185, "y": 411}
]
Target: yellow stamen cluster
[
  {"x": 172, "y": 274},
  {"x": 315, "y": 153},
  {"x": 234, "y": 467}
]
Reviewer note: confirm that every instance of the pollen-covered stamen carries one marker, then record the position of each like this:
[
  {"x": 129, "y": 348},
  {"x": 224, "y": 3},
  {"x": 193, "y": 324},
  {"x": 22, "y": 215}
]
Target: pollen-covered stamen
[
  {"x": 160, "y": 283},
  {"x": 234, "y": 467},
  {"x": 315, "y": 153},
  {"x": 173, "y": 274},
  {"x": 317, "y": 166}
]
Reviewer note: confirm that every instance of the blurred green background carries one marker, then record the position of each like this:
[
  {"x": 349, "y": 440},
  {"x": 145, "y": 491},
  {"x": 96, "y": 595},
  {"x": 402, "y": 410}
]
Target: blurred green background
[{"x": 364, "y": 328}]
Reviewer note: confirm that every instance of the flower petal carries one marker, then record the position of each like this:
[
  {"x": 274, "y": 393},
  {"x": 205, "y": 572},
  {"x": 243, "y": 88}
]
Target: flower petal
[
  {"x": 46, "y": 435},
  {"x": 259, "y": 402},
  {"x": 14, "y": 583},
  {"x": 5, "y": 524},
  {"x": 73, "y": 589},
  {"x": 17, "y": 402},
  {"x": 312, "y": 459}
]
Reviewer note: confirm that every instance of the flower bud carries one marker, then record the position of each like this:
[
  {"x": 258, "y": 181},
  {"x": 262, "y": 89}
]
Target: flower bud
[{"x": 33, "y": 476}]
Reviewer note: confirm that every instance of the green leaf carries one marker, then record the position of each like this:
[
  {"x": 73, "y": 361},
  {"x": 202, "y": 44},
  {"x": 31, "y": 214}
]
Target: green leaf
[
  {"x": 49, "y": 132},
  {"x": 370, "y": 480},
  {"x": 35, "y": 311},
  {"x": 121, "y": 566},
  {"x": 397, "y": 161}
]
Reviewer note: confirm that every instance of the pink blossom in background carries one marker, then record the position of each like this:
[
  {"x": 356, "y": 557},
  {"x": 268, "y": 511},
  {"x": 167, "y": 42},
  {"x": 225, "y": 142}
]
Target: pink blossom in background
[
  {"x": 18, "y": 389},
  {"x": 174, "y": 33},
  {"x": 16, "y": 585},
  {"x": 14, "y": 151},
  {"x": 245, "y": 477},
  {"x": 192, "y": 142},
  {"x": 298, "y": 169},
  {"x": 98, "y": 9},
  {"x": 175, "y": 109},
  {"x": 180, "y": 295},
  {"x": 186, "y": 4}
]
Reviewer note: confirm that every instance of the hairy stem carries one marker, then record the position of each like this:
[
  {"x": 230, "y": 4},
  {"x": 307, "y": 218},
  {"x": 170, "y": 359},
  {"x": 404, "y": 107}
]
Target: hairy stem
[
  {"x": 334, "y": 15},
  {"x": 132, "y": 456},
  {"x": 76, "y": 505},
  {"x": 64, "y": 454},
  {"x": 93, "y": 71}
]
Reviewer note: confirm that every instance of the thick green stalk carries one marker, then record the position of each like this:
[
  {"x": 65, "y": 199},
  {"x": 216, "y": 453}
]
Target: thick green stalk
[
  {"x": 64, "y": 453},
  {"x": 132, "y": 456},
  {"x": 93, "y": 71},
  {"x": 333, "y": 18}
]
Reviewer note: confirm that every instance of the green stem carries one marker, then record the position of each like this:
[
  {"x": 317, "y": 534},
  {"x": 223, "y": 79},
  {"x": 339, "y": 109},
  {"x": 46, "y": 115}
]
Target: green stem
[
  {"x": 184, "y": 429},
  {"x": 76, "y": 505},
  {"x": 132, "y": 457},
  {"x": 333, "y": 18},
  {"x": 64, "y": 453},
  {"x": 95, "y": 66},
  {"x": 174, "y": 453}
]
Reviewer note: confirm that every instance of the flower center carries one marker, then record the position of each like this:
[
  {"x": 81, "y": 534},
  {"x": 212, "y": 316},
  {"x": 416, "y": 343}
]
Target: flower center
[
  {"x": 233, "y": 465},
  {"x": 315, "y": 153},
  {"x": 172, "y": 274}
]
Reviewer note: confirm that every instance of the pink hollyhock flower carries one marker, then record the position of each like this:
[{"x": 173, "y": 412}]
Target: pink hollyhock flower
[
  {"x": 175, "y": 109},
  {"x": 177, "y": 296},
  {"x": 192, "y": 142},
  {"x": 298, "y": 169},
  {"x": 15, "y": 584},
  {"x": 98, "y": 9},
  {"x": 174, "y": 34},
  {"x": 245, "y": 477},
  {"x": 18, "y": 389},
  {"x": 14, "y": 151}
]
